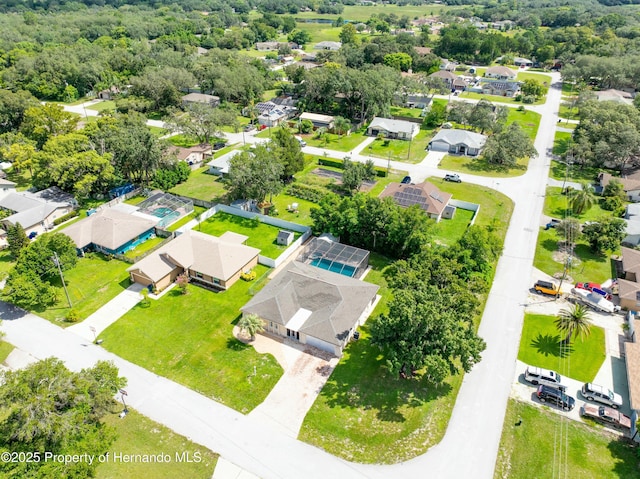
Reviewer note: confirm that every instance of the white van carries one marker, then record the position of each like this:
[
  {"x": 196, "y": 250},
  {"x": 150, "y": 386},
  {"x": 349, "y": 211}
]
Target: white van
[{"x": 544, "y": 376}]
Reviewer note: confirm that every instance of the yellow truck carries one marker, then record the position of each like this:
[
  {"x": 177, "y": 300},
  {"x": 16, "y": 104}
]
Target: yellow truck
[{"x": 546, "y": 287}]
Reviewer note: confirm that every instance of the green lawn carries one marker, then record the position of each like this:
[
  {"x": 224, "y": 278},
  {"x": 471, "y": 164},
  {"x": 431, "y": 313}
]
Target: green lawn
[
  {"x": 541, "y": 345},
  {"x": 365, "y": 414},
  {"x": 539, "y": 77},
  {"x": 401, "y": 150},
  {"x": 450, "y": 231},
  {"x": 91, "y": 284},
  {"x": 103, "y": 105},
  {"x": 201, "y": 185},
  {"x": 576, "y": 172},
  {"x": 135, "y": 200},
  {"x": 528, "y": 120},
  {"x": 144, "y": 247},
  {"x": 496, "y": 98},
  {"x": 22, "y": 179},
  {"x": 261, "y": 235},
  {"x": 5, "y": 350},
  {"x": 320, "y": 32},
  {"x": 197, "y": 211},
  {"x": 407, "y": 112},
  {"x": 567, "y": 112},
  {"x": 555, "y": 204},
  {"x": 302, "y": 217},
  {"x": 331, "y": 141},
  {"x": 561, "y": 142},
  {"x": 183, "y": 140},
  {"x": 529, "y": 449},
  {"x": 157, "y": 131},
  {"x": 495, "y": 208},
  {"x": 587, "y": 266},
  {"x": 242, "y": 121},
  {"x": 6, "y": 262},
  {"x": 480, "y": 166},
  {"x": 188, "y": 339},
  {"x": 137, "y": 434}
]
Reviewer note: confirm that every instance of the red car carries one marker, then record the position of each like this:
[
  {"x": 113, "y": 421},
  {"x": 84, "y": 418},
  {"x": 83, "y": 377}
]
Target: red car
[{"x": 588, "y": 286}]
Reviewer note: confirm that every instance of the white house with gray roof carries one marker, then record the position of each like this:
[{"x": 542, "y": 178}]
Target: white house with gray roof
[
  {"x": 393, "y": 129},
  {"x": 460, "y": 142},
  {"x": 313, "y": 306},
  {"x": 36, "y": 211}
]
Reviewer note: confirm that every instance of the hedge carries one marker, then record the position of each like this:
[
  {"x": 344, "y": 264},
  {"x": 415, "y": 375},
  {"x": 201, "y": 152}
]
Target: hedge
[
  {"x": 66, "y": 217},
  {"x": 381, "y": 172},
  {"x": 306, "y": 192}
]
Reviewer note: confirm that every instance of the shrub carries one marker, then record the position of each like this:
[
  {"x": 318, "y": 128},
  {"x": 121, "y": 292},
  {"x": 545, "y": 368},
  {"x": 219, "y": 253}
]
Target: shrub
[
  {"x": 381, "y": 172},
  {"x": 529, "y": 99},
  {"x": 248, "y": 276},
  {"x": 611, "y": 203},
  {"x": 521, "y": 108},
  {"x": 66, "y": 217},
  {"x": 72, "y": 316},
  {"x": 306, "y": 192},
  {"x": 518, "y": 97}
]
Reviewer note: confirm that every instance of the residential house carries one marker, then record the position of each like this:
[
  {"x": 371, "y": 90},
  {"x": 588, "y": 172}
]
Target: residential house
[
  {"x": 612, "y": 94},
  {"x": 500, "y": 88},
  {"x": 522, "y": 62},
  {"x": 273, "y": 117},
  {"x": 422, "y": 50},
  {"x": 194, "y": 156},
  {"x": 200, "y": 98},
  {"x": 400, "y": 31},
  {"x": 201, "y": 51},
  {"x": 447, "y": 65},
  {"x": 318, "y": 120},
  {"x": 427, "y": 196},
  {"x": 632, "y": 362},
  {"x": 453, "y": 81},
  {"x": 394, "y": 129},
  {"x": 220, "y": 166},
  {"x": 6, "y": 187},
  {"x": 326, "y": 45},
  {"x": 632, "y": 230},
  {"x": 630, "y": 265},
  {"x": 109, "y": 93},
  {"x": 500, "y": 72},
  {"x": 459, "y": 142},
  {"x": 270, "y": 46},
  {"x": 111, "y": 231},
  {"x": 631, "y": 186},
  {"x": 211, "y": 261},
  {"x": 36, "y": 211},
  {"x": 412, "y": 100},
  {"x": 313, "y": 306}
]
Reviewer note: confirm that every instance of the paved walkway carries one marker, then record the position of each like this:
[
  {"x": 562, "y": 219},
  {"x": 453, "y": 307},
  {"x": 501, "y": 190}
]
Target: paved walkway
[{"x": 109, "y": 313}]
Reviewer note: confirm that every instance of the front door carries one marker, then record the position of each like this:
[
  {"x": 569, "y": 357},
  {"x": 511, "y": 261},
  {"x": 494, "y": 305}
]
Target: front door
[{"x": 293, "y": 334}]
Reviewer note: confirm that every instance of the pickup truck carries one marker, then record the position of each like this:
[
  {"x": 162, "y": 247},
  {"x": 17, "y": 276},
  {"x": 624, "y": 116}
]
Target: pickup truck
[
  {"x": 594, "y": 300},
  {"x": 605, "y": 415}
]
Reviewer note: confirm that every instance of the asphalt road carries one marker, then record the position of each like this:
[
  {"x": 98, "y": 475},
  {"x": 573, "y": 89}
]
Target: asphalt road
[{"x": 470, "y": 445}]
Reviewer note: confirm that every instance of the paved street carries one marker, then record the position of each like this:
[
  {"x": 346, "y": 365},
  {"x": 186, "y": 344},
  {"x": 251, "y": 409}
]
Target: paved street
[{"x": 475, "y": 427}]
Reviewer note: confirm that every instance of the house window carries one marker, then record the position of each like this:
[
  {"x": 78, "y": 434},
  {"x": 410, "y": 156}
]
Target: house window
[
  {"x": 216, "y": 281},
  {"x": 198, "y": 274}
]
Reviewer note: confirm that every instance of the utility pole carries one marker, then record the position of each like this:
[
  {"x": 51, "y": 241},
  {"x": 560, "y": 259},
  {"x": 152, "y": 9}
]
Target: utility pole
[{"x": 56, "y": 261}]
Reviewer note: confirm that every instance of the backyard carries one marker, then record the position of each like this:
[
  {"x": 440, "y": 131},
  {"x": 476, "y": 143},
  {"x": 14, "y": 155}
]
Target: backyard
[
  {"x": 575, "y": 172},
  {"x": 202, "y": 185},
  {"x": 144, "y": 247},
  {"x": 541, "y": 345},
  {"x": 528, "y": 120},
  {"x": 93, "y": 282},
  {"x": 555, "y": 205},
  {"x": 585, "y": 265},
  {"x": 449, "y": 231},
  {"x": 261, "y": 235},
  {"x": 335, "y": 142},
  {"x": 188, "y": 338},
  {"x": 412, "y": 151},
  {"x": 197, "y": 211},
  {"x": 475, "y": 165},
  {"x": 496, "y": 98},
  {"x": 137, "y": 434},
  {"x": 528, "y": 446}
]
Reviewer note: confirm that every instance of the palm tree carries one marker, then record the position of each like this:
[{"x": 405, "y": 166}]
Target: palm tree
[
  {"x": 341, "y": 125},
  {"x": 575, "y": 321},
  {"x": 251, "y": 324},
  {"x": 583, "y": 199}
]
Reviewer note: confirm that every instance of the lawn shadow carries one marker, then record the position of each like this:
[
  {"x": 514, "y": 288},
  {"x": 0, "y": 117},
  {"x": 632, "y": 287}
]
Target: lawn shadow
[
  {"x": 562, "y": 145},
  {"x": 481, "y": 165},
  {"x": 234, "y": 345},
  {"x": 550, "y": 245},
  {"x": 364, "y": 382},
  {"x": 624, "y": 451},
  {"x": 549, "y": 345}
]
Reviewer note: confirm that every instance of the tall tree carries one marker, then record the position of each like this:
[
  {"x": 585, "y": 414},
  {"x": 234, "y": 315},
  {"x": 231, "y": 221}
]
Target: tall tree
[
  {"x": 201, "y": 121},
  {"x": 348, "y": 34},
  {"x": 341, "y": 125},
  {"x": 506, "y": 147},
  {"x": 251, "y": 324},
  {"x": 606, "y": 234},
  {"x": 16, "y": 239},
  {"x": 582, "y": 199},
  {"x": 354, "y": 173},
  {"x": 255, "y": 174},
  {"x": 287, "y": 150},
  {"x": 44, "y": 121},
  {"x": 574, "y": 321}
]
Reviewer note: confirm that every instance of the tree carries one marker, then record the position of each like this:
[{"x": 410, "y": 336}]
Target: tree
[
  {"x": 606, "y": 234},
  {"x": 533, "y": 88},
  {"x": 348, "y": 34},
  {"x": 613, "y": 189},
  {"x": 301, "y": 37},
  {"x": 287, "y": 150},
  {"x": 44, "y": 121},
  {"x": 486, "y": 116},
  {"x": 398, "y": 61},
  {"x": 506, "y": 147},
  {"x": 16, "y": 239},
  {"x": 354, "y": 173},
  {"x": 201, "y": 121},
  {"x": 574, "y": 321},
  {"x": 21, "y": 154},
  {"x": 254, "y": 175},
  {"x": 341, "y": 125},
  {"x": 570, "y": 230},
  {"x": 37, "y": 256},
  {"x": 460, "y": 112},
  {"x": 51, "y": 409},
  {"x": 582, "y": 199},
  {"x": 251, "y": 324},
  {"x": 183, "y": 283},
  {"x": 27, "y": 290},
  {"x": 436, "y": 116}
]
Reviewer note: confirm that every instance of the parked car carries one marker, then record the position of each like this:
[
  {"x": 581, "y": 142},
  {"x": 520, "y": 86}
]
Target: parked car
[
  {"x": 546, "y": 287},
  {"x": 555, "y": 396},
  {"x": 544, "y": 376},
  {"x": 219, "y": 145},
  {"x": 302, "y": 142},
  {"x": 454, "y": 177},
  {"x": 605, "y": 415},
  {"x": 406, "y": 180},
  {"x": 594, "y": 392},
  {"x": 588, "y": 286},
  {"x": 249, "y": 127},
  {"x": 552, "y": 224}
]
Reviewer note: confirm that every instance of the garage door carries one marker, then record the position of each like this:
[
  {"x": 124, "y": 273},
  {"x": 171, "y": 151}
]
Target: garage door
[{"x": 320, "y": 344}]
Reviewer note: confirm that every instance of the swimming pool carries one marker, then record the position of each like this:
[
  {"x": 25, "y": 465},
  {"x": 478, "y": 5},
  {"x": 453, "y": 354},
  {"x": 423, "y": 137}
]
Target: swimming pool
[
  {"x": 334, "y": 267},
  {"x": 162, "y": 212}
]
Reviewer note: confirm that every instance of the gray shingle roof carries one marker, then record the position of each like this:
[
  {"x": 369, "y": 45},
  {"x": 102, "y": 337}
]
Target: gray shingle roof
[
  {"x": 457, "y": 137},
  {"x": 395, "y": 126},
  {"x": 336, "y": 302},
  {"x": 33, "y": 208}
]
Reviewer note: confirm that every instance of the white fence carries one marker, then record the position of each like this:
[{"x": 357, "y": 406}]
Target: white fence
[
  {"x": 270, "y": 220},
  {"x": 465, "y": 205}
]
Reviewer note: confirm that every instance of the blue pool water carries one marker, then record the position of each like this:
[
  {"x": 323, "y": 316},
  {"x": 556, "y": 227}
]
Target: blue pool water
[
  {"x": 335, "y": 267},
  {"x": 162, "y": 212}
]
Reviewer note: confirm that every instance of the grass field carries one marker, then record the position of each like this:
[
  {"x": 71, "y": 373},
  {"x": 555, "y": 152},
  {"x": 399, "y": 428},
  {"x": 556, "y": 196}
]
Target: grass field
[
  {"x": 6, "y": 262},
  {"x": 555, "y": 204},
  {"x": 144, "y": 247},
  {"x": 261, "y": 235},
  {"x": 332, "y": 141},
  {"x": 183, "y": 140},
  {"x": 561, "y": 142},
  {"x": 408, "y": 112},
  {"x": 575, "y": 173},
  {"x": 103, "y": 105},
  {"x": 586, "y": 265},
  {"x": 528, "y": 120},
  {"x": 5, "y": 350},
  {"x": 157, "y": 131},
  {"x": 567, "y": 112},
  {"x": 137, "y": 434},
  {"x": 495, "y": 98},
  {"x": 91, "y": 284},
  {"x": 541, "y": 345},
  {"x": 304, "y": 207},
  {"x": 401, "y": 150},
  {"x": 480, "y": 166},
  {"x": 188, "y": 339},
  {"x": 539, "y": 77},
  {"x": 449, "y": 231},
  {"x": 197, "y": 211},
  {"x": 201, "y": 185},
  {"x": 135, "y": 200},
  {"x": 528, "y": 449}
]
